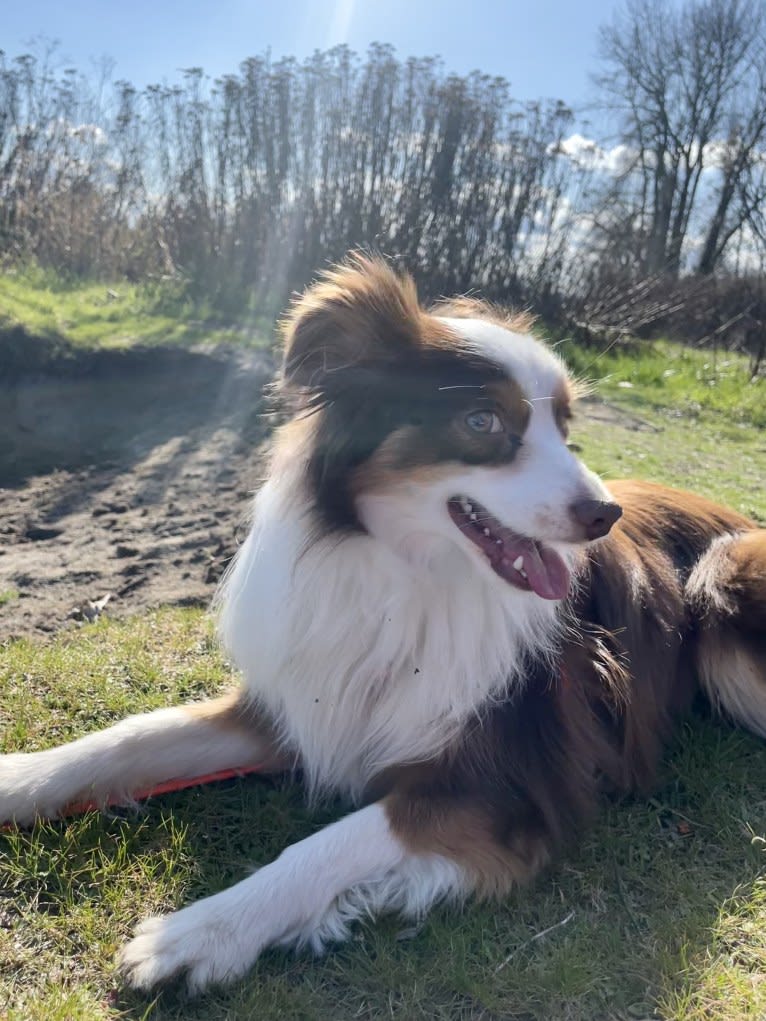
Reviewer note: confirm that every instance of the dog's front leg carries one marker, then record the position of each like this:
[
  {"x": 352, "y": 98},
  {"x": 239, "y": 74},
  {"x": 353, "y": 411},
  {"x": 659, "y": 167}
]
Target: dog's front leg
[
  {"x": 309, "y": 895},
  {"x": 136, "y": 753}
]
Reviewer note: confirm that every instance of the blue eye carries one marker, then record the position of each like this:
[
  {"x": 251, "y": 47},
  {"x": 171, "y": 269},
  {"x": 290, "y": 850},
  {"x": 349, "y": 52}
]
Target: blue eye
[{"x": 484, "y": 422}]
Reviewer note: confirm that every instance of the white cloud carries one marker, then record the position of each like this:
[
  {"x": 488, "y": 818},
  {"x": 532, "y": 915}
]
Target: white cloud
[{"x": 587, "y": 153}]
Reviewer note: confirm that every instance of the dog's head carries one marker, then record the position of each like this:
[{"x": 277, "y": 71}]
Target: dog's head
[{"x": 445, "y": 426}]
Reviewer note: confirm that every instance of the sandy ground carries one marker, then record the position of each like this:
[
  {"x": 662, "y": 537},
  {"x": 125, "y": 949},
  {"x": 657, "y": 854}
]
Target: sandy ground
[{"x": 131, "y": 482}]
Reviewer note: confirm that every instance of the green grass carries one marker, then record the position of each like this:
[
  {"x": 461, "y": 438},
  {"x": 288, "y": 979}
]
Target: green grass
[
  {"x": 91, "y": 315},
  {"x": 686, "y": 419},
  {"x": 665, "y": 899},
  {"x": 675, "y": 380}
]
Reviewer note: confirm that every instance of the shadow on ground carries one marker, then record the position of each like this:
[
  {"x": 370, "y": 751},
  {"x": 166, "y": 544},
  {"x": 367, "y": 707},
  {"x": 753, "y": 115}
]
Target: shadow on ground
[{"x": 125, "y": 474}]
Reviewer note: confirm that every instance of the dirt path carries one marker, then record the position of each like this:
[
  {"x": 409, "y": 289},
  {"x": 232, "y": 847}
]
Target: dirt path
[
  {"x": 129, "y": 476},
  {"x": 132, "y": 483}
]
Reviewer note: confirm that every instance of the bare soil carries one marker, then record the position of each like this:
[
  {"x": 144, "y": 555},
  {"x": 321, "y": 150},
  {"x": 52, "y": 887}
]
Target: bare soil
[{"x": 126, "y": 476}]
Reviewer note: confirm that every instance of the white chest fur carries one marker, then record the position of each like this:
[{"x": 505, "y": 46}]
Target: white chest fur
[{"x": 366, "y": 660}]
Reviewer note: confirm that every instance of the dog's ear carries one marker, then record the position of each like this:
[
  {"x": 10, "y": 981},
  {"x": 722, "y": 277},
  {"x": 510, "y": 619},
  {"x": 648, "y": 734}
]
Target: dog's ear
[{"x": 361, "y": 313}]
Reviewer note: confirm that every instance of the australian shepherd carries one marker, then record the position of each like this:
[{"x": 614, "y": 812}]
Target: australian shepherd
[{"x": 438, "y": 612}]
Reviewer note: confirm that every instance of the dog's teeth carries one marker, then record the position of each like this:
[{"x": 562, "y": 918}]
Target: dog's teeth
[
  {"x": 518, "y": 563},
  {"x": 524, "y": 575},
  {"x": 466, "y": 506},
  {"x": 498, "y": 542},
  {"x": 486, "y": 532},
  {"x": 474, "y": 516}
]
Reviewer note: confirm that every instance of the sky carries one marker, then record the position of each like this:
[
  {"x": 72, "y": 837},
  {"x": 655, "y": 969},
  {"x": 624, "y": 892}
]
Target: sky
[{"x": 545, "y": 48}]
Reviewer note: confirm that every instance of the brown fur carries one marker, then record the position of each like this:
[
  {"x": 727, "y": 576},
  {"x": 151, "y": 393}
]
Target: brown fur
[
  {"x": 358, "y": 311},
  {"x": 727, "y": 591},
  {"x": 389, "y": 387},
  {"x": 411, "y": 454},
  {"x": 562, "y": 408},
  {"x": 520, "y": 783},
  {"x": 730, "y": 582}
]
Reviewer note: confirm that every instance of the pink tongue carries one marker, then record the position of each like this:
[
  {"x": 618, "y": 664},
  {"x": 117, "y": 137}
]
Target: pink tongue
[{"x": 547, "y": 574}]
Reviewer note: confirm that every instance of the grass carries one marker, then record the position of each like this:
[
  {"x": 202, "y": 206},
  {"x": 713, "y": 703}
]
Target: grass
[
  {"x": 675, "y": 380},
  {"x": 90, "y": 315},
  {"x": 679, "y": 416},
  {"x": 666, "y": 900},
  {"x": 659, "y": 913}
]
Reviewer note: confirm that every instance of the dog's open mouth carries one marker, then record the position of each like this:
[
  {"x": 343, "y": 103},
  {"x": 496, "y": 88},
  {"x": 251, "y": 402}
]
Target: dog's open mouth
[{"x": 526, "y": 563}]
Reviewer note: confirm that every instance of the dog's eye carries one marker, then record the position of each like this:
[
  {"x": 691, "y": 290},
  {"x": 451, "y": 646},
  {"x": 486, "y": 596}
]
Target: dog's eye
[{"x": 484, "y": 422}]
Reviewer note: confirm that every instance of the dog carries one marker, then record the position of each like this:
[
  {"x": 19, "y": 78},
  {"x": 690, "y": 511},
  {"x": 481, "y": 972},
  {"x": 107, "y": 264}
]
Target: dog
[{"x": 440, "y": 613}]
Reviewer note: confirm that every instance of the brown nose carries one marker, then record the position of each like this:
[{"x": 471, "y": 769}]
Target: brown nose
[{"x": 597, "y": 516}]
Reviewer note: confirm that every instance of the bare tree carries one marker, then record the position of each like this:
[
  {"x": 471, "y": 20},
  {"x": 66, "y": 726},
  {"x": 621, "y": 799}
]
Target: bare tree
[
  {"x": 687, "y": 86},
  {"x": 741, "y": 188}
]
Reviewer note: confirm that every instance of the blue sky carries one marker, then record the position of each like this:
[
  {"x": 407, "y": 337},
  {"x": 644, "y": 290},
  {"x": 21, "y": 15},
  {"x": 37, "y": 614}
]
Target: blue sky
[{"x": 545, "y": 48}]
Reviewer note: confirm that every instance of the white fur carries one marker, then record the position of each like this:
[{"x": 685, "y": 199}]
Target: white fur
[
  {"x": 733, "y": 679},
  {"x": 364, "y": 658},
  {"x": 137, "y": 752},
  {"x": 308, "y": 896},
  {"x": 533, "y": 495},
  {"x": 536, "y": 369},
  {"x": 372, "y": 650}
]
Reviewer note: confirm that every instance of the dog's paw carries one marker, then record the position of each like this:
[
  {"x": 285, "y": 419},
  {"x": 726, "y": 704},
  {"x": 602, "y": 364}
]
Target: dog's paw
[{"x": 185, "y": 942}]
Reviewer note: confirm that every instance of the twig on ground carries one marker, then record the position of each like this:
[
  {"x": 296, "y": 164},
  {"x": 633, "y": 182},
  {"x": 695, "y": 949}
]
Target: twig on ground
[{"x": 538, "y": 935}]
